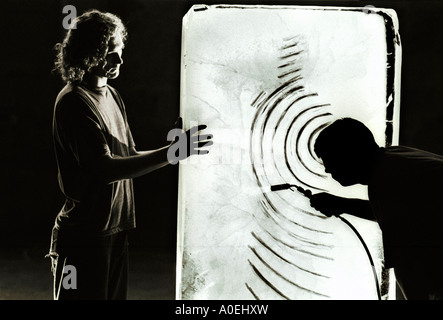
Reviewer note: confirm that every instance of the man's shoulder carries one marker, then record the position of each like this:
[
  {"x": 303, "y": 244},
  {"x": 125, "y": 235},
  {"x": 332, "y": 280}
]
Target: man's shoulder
[
  {"x": 406, "y": 163},
  {"x": 399, "y": 169},
  {"x": 71, "y": 100},
  {"x": 69, "y": 93},
  {"x": 410, "y": 153}
]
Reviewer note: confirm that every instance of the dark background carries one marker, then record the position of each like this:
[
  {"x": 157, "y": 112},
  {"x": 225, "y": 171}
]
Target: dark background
[{"x": 149, "y": 83}]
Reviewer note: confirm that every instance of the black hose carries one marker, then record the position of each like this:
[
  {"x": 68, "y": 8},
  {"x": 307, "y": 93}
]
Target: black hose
[
  {"x": 307, "y": 193},
  {"x": 367, "y": 252}
]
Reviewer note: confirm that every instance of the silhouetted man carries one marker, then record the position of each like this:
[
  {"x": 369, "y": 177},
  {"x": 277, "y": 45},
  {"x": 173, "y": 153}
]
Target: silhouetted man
[
  {"x": 97, "y": 159},
  {"x": 405, "y": 198}
]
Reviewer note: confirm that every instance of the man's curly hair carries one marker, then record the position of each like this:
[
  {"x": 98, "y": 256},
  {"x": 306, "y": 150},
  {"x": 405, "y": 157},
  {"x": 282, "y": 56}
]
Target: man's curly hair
[{"x": 86, "y": 46}]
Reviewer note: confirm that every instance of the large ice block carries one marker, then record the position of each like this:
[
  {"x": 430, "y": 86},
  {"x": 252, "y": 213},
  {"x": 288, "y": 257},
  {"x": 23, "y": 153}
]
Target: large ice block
[{"x": 266, "y": 80}]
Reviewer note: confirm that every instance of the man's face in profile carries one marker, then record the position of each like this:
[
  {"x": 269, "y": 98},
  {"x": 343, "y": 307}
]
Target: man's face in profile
[
  {"x": 111, "y": 68},
  {"x": 341, "y": 170}
]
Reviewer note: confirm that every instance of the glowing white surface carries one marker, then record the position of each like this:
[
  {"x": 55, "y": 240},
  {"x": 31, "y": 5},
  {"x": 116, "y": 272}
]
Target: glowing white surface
[{"x": 231, "y": 58}]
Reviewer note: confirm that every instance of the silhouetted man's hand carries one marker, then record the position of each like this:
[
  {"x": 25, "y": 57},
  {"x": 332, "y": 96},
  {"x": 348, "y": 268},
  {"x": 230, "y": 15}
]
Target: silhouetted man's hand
[
  {"x": 328, "y": 204},
  {"x": 187, "y": 143},
  {"x": 197, "y": 141}
]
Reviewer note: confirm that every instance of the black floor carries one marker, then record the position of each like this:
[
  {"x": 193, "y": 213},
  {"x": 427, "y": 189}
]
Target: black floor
[{"x": 25, "y": 274}]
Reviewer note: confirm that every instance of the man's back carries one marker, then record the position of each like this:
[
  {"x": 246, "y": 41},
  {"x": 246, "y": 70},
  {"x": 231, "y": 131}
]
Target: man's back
[{"x": 405, "y": 192}]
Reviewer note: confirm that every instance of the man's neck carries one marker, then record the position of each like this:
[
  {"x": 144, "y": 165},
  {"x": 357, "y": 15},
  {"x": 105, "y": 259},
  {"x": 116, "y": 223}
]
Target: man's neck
[
  {"x": 93, "y": 81},
  {"x": 371, "y": 165}
]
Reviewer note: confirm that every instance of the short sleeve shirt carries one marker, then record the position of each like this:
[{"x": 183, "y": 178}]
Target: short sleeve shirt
[{"x": 89, "y": 124}]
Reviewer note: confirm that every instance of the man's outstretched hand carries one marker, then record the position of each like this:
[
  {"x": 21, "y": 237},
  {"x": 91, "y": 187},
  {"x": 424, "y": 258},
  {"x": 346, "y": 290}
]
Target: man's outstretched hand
[
  {"x": 187, "y": 143},
  {"x": 197, "y": 141}
]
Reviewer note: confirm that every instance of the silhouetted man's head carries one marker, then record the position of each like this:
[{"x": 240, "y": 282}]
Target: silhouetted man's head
[
  {"x": 94, "y": 46},
  {"x": 347, "y": 148}
]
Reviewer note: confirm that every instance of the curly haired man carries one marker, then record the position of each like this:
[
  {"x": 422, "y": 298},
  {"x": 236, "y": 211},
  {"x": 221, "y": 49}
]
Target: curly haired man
[{"x": 97, "y": 160}]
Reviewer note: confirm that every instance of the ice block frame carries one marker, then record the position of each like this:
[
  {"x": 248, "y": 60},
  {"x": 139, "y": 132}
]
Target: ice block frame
[{"x": 266, "y": 80}]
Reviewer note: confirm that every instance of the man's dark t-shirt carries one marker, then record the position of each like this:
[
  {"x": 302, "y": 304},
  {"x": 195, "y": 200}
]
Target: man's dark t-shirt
[{"x": 90, "y": 124}]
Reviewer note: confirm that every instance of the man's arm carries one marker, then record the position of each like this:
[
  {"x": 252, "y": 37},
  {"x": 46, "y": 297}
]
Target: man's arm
[
  {"x": 110, "y": 168},
  {"x": 331, "y": 205},
  {"x": 79, "y": 129}
]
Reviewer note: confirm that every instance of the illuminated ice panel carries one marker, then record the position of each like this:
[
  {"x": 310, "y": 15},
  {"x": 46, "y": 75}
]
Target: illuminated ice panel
[{"x": 266, "y": 80}]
